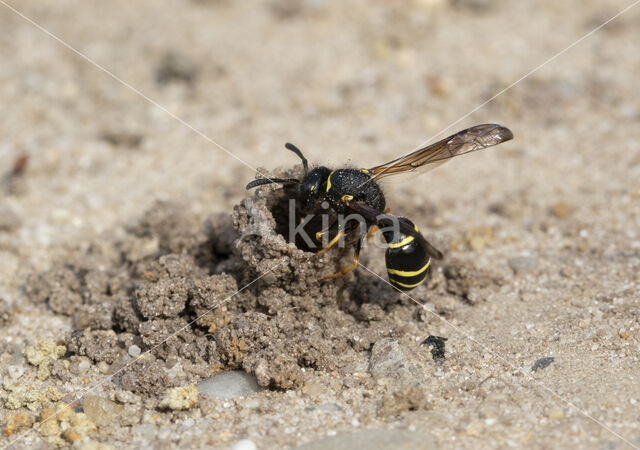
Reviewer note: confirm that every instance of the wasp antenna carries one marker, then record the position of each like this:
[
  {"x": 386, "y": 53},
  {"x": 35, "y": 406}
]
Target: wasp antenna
[
  {"x": 297, "y": 151},
  {"x": 263, "y": 181}
]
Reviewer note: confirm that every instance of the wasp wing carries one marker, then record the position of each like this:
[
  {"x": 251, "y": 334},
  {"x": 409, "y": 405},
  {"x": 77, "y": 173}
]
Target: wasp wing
[{"x": 465, "y": 141}]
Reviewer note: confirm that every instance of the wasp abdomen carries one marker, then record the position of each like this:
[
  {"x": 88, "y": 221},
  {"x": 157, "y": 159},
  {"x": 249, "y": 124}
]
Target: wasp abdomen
[{"x": 406, "y": 258}]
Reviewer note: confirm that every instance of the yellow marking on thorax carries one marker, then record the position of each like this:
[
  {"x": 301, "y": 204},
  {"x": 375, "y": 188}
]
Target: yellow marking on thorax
[
  {"x": 329, "y": 181},
  {"x": 408, "y": 286},
  {"x": 409, "y": 273}
]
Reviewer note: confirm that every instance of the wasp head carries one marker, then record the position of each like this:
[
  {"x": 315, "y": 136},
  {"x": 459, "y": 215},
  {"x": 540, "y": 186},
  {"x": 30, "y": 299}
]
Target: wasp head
[{"x": 312, "y": 187}]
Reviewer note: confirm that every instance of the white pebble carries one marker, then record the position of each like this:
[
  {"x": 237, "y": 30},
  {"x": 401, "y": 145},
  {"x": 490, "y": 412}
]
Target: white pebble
[
  {"x": 134, "y": 350},
  {"x": 243, "y": 444},
  {"x": 84, "y": 365},
  {"x": 633, "y": 401},
  {"x": 230, "y": 384},
  {"x": 529, "y": 326},
  {"x": 188, "y": 422},
  {"x": 15, "y": 372}
]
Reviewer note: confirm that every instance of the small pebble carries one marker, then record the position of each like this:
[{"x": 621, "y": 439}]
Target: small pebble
[
  {"x": 542, "y": 363},
  {"x": 325, "y": 407},
  {"x": 437, "y": 344},
  {"x": 522, "y": 263},
  {"x": 529, "y": 325},
  {"x": 9, "y": 220},
  {"x": 556, "y": 413},
  {"x": 84, "y": 365},
  {"x": 174, "y": 67},
  {"x": 312, "y": 389},
  {"x": 134, "y": 350},
  {"x": 561, "y": 210},
  {"x": 625, "y": 334},
  {"x": 126, "y": 397},
  {"x": 188, "y": 422},
  {"x": 103, "y": 367},
  {"x": 15, "y": 372},
  {"x": 391, "y": 359},
  {"x": 243, "y": 444},
  {"x": 179, "y": 398},
  {"x": 231, "y": 384},
  {"x": 100, "y": 410}
]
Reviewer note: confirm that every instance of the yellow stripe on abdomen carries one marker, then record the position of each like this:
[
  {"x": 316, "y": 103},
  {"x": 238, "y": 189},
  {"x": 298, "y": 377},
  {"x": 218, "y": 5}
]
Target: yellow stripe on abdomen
[
  {"x": 407, "y": 286},
  {"x": 403, "y": 242},
  {"x": 409, "y": 273},
  {"x": 406, "y": 240}
]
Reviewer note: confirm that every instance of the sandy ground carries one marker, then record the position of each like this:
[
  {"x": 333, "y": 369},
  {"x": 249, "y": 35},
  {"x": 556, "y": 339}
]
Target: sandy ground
[{"x": 551, "y": 218}]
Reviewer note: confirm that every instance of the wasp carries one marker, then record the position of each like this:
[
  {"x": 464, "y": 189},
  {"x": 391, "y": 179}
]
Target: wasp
[{"x": 408, "y": 254}]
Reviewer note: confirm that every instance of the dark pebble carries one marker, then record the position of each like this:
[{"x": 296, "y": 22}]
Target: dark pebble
[{"x": 542, "y": 363}]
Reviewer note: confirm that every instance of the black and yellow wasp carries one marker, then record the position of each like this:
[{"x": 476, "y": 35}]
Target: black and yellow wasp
[{"x": 408, "y": 254}]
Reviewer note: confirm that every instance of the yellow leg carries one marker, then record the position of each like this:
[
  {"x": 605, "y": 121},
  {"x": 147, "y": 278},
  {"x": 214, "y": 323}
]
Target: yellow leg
[
  {"x": 333, "y": 242},
  {"x": 374, "y": 228},
  {"x": 350, "y": 267},
  {"x": 319, "y": 234},
  {"x": 345, "y": 270}
]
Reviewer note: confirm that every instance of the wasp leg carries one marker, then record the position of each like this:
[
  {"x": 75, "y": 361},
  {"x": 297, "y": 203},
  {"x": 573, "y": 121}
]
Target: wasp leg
[
  {"x": 372, "y": 231},
  {"x": 350, "y": 267},
  {"x": 319, "y": 234},
  {"x": 333, "y": 242},
  {"x": 374, "y": 228}
]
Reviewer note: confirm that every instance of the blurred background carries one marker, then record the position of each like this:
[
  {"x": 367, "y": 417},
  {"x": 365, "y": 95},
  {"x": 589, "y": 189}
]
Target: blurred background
[{"x": 357, "y": 82}]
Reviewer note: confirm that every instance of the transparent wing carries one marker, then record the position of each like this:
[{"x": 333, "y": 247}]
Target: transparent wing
[{"x": 465, "y": 141}]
